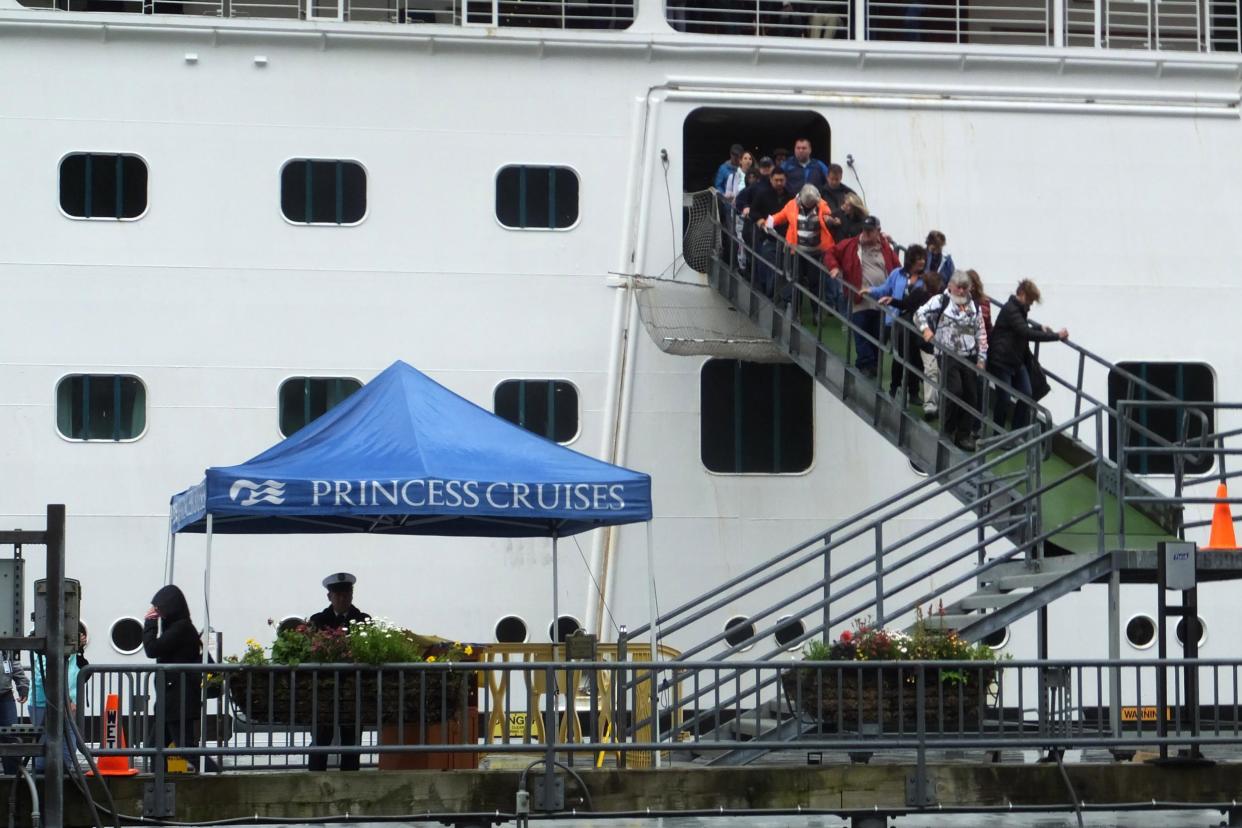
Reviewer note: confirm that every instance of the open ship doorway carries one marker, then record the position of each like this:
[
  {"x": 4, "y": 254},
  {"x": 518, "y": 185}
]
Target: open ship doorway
[{"x": 710, "y": 131}]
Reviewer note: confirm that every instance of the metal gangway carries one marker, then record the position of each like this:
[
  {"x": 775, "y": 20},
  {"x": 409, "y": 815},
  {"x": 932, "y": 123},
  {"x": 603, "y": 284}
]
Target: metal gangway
[{"x": 1031, "y": 516}]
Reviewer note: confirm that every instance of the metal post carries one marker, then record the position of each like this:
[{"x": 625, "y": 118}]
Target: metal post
[
  {"x": 859, "y": 11},
  {"x": 920, "y": 712},
  {"x": 202, "y": 710},
  {"x": 879, "y": 575},
  {"x": 1097, "y": 35},
  {"x": 1114, "y": 587},
  {"x": 556, "y": 612},
  {"x": 826, "y": 634},
  {"x": 549, "y": 758},
  {"x": 1122, "y": 464},
  {"x": 655, "y": 646},
  {"x": 1058, "y": 23},
  {"x": 1162, "y": 652},
  {"x": 54, "y": 669},
  {"x": 620, "y": 690}
]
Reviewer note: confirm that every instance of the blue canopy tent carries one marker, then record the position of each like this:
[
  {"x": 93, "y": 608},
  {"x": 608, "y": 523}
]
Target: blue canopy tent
[{"x": 406, "y": 456}]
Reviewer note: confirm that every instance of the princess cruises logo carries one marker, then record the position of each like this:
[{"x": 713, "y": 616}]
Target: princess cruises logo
[{"x": 269, "y": 491}]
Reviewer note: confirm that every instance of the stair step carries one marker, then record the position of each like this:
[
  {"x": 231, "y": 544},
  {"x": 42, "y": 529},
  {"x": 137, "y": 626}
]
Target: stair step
[
  {"x": 985, "y": 599},
  {"x": 1059, "y": 563},
  {"x": 1032, "y": 580},
  {"x": 746, "y": 726},
  {"x": 948, "y": 622}
]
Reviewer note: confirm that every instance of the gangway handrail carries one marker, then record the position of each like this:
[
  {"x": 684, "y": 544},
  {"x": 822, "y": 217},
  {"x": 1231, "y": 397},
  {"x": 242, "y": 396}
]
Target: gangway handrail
[
  {"x": 1040, "y": 412},
  {"x": 877, "y": 578},
  {"x": 800, "y": 293},
  {"x": 933, "y": 480}
]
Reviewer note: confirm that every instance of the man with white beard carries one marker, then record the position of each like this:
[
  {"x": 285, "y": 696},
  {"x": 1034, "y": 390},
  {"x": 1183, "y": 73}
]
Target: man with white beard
[{"x": 954, "y": 323}]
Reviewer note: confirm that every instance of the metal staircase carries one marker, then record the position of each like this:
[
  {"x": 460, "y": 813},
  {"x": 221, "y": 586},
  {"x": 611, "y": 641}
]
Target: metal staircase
[{"x": 986, "y": 539}]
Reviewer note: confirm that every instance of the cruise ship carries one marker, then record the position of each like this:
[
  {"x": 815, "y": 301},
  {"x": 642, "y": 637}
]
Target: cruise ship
[{"x": 220, "y": 217}]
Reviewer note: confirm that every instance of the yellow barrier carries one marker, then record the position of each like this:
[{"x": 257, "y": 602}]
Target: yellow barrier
[{"x": 506, "y": 724}]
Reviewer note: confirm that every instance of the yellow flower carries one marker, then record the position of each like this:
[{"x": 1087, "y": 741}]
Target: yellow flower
[
  {"x": 469, "y": 650},
  {"x": 431, "y": 658}
]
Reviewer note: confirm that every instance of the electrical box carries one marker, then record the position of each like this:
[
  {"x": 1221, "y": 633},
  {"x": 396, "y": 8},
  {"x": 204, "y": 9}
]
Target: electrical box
[
  {"x": 73, "y": 600},
  {"x": 1179, "y": 564},
  {"x": 12, "y": 597}
]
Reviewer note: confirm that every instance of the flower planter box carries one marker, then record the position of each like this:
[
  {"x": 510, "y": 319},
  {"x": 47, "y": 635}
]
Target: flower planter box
[
  {"x": 851, "y": 697},
  {"x": 464, "y": 731},
  {"x": 391, "y": 696}
]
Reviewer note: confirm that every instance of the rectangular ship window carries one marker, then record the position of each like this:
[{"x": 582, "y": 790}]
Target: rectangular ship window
[
  {"x": 755, "y": 417},
  {"x": 101, "y": 407},
  {"x": 317, "y": 191},
  {"x": 302, "y": 400},
  {"x": 549, "y": 408},
  {"x": 1149, "y": 427},
  {"x": 537, "y": 198},
  {"x": 103, "y": 186}
]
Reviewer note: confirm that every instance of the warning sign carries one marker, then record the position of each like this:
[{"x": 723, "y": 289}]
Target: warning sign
[
  {"x": 1131, "y": 714},
  {"x": 516, "y": 725}
]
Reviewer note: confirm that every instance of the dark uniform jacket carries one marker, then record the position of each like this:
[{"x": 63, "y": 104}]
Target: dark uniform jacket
[
  {"x": 1007, "y": 341},
  {"x": 327, "y": 619},
  {"x": 178, "y": 643}
]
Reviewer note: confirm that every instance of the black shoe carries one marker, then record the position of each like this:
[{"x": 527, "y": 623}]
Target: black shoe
[
  {"x": 930, "y": 414},
  {"x": 966, "y": 442}
]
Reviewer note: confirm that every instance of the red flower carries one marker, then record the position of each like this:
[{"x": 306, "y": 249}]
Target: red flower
[{"x": 846, "y": 637}]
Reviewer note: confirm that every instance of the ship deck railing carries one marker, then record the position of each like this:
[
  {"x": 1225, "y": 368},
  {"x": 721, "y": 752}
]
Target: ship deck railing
[
  {"x": 1212, "y": 26},
  {"x": 846, "y": 706}
]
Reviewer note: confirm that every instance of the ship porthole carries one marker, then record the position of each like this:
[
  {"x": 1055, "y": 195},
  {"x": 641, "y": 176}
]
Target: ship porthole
[
  {"x": 511, "y": 630},
  {"x": 789, "y": 632},
  {"x": 566, "y": 626},
  {"x": 1180, "y": 631},
  {"x": 996, "y": 640},
  {"x": 126, "y": 635},
  {"x": 291, "y": 622},
  {"x": 737, "y": 629},
  {"x": 1141, "y": 631}
]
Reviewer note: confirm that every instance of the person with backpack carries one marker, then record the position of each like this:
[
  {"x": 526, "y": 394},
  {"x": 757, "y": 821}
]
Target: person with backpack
[{"x": 954, "y": 323}]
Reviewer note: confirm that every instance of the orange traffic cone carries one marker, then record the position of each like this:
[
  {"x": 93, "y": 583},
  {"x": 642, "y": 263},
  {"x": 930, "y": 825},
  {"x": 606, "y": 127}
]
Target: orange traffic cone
[
  {"x": 114, "y": 738},
  {"x": 1222, "y": 536}
]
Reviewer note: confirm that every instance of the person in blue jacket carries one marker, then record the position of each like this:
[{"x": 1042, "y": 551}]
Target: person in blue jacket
[
  {"x": 892, "y": 294},
  {"x": 802, "y": 169},
  {"x": 728, "y": 168},
  {"x": 38, "y": 697},
  {"x": 937, "y": 259}
]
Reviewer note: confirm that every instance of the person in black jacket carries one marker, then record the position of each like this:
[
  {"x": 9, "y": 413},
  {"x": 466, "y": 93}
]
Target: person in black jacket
[
  {"x": 169, "y": 637},
  {"x": 1009, "y": 354},
  {"x": 338, "y": 615}
]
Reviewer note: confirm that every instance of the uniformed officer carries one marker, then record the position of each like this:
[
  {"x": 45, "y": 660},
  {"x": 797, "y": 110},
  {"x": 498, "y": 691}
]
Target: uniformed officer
[{"x": 340, "y": 612}]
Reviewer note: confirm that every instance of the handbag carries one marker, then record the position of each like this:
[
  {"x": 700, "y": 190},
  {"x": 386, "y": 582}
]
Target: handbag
[{"x": 1039, "y": 382}]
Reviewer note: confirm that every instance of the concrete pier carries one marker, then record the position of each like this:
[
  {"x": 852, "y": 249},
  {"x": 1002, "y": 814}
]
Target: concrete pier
[{"x": 859, "y": 791}]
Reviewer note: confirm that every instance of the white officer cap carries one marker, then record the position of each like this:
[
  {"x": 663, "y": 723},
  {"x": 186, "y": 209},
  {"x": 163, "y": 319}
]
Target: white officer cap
[{"x": 339, "y": 580}]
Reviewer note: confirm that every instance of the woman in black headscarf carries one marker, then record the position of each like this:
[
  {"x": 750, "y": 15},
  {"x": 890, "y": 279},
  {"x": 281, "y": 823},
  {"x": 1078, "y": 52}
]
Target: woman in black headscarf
[{"x": 169, "y": 637}]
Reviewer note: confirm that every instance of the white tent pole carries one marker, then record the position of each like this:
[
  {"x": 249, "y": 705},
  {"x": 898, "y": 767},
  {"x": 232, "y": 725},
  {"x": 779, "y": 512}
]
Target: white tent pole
[
  {"x": 655, "y": 646},
  {"x": 202, "y": 715},
  {"x": 170, "y": 552}
]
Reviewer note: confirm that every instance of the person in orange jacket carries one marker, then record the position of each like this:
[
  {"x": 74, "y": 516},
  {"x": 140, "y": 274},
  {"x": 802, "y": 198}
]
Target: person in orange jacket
[
  {"x": 805, "y": 220},
  {"x": 806, "y": 227}
]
